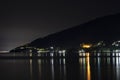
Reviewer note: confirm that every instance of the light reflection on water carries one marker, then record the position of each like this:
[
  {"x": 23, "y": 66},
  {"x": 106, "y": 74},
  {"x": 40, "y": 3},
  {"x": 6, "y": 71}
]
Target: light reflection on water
[
  {"x": 84, "y": 68},
  {"x": 118, "y": 68},
  {"x": 88, "y": 68},
  {"x": 31, "y": 74}
]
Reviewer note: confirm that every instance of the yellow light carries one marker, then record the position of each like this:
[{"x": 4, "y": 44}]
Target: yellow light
[
  {"x": 88, "y": 68},
  {"x": 87, "y": 54},
  {"x": 86, "y": 45}
]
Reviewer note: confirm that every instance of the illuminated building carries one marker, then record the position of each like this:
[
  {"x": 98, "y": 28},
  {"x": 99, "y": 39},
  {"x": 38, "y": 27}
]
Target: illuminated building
[
  {"x": 116, "y": 43},
  {"x": 86, "y": 45}
]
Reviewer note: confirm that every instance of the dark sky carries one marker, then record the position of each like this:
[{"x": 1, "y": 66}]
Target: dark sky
[{"x": 23, "y": 21}]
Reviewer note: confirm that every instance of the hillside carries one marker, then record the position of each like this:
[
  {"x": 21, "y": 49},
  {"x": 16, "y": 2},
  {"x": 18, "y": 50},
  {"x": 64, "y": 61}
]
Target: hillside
[{"x": 106, "y": 29}]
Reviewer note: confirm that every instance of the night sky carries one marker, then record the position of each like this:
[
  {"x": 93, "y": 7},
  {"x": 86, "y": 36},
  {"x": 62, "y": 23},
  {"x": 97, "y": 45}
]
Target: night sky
[{"x": 24, "y": 21}]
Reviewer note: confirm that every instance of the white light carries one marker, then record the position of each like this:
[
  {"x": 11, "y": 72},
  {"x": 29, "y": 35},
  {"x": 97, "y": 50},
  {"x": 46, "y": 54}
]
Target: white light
[
  {"x": 117, "y": 60},
  {"x": 83, "y": 54},
  {"x": 39, "y": 51},
  {"x": 59, "y": 51},
  {"x": 4, "y": 51},
  {"x": 51, "y": 47},
  {"x": 81, "y": 51},
  {"x": 30, "y": 54},
  {"x": 63, "y": 61},
  {"x": 116, "y": 45},
  {"x": 117, "y": 51},
  {"x": 116, "y": 54},
  {"x": 64, "y": 51},
  {"x": 51, "y": 54},
  {"x": 113, "y": 54},
  {"x": 98, "y": 54},
  {"x": 63, "y": 54},
  {"x": 52, "y": 61},
  {"x": 118, "y": 41},
  {"x": 80, "y": 54}
]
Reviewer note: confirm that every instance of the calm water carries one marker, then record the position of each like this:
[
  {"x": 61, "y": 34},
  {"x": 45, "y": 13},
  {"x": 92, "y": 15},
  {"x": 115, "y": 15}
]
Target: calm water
[{"x": 60, "y": 69}]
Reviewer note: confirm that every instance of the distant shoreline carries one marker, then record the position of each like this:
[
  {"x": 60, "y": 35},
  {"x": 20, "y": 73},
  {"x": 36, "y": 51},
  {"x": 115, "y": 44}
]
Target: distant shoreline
[{"x": 4, "y": 52}]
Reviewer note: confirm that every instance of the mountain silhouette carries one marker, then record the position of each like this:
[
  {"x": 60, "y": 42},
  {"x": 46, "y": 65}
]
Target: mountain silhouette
[
  {"x": 101, "y": 29},
  {"x": 106, "y": 29}
]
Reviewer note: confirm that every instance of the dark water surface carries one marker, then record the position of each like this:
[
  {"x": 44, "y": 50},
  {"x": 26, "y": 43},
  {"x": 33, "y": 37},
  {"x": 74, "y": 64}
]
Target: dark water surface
[{"x": 86, "y": 68}]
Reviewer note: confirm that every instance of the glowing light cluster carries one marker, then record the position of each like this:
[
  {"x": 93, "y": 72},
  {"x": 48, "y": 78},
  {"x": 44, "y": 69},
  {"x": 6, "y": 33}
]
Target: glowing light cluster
[
  {"x": 86, "y": 45},
  {"x": 61, "y": 51}
]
